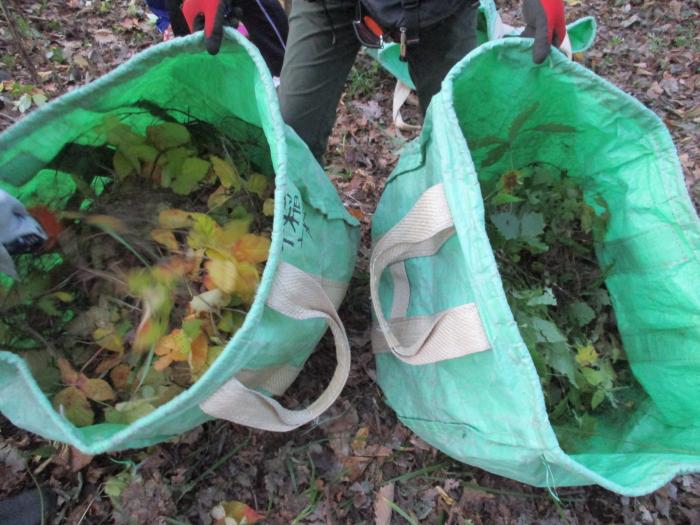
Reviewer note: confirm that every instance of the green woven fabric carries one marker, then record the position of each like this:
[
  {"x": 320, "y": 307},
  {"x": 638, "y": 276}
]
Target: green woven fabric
[
  {"x": 312, "y": 230},
  {"x": 487, "y": 409}
]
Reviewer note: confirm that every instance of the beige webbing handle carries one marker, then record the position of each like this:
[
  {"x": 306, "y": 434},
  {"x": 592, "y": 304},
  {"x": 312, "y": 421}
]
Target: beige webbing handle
[
  {"x": 449, "y": 334},
  {"x": 299, "y": 295}
]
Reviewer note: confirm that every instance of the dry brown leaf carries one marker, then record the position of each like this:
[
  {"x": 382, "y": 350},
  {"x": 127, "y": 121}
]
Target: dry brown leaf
[{"x": 382, "y": 507}]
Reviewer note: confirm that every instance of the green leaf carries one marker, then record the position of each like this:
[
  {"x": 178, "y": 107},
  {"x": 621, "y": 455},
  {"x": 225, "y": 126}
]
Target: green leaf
[
  {"x": 48, "y": 306},
  {"x": 495, "y": 155},
  {"x": 123, "y": 166},
  {"x": 24, "y": 103},
  {"x": 582, "y": 313},
  {"x": 547, "y": 331},
  {"x": 193, "y": 171},
  {"x": 115, "y": 485},
  {"x": 192, "y": 328},
  {"x": 546, "y": 298},
  {"x": 489, "y": 140},
  {"x": 597, "y": 399},
  {"x": 168, "y": 135},
  {"x": 520, "y": 120},
  {"x": 553, "y": 127},
  {"x": 39, "y": 99},
  {"x": 507, "y": 224},
  {"x": 257, "y": 184},
  {"x": 128, "y": 411},
  {"x": 562, "y": 360},
  {"x": 504, "y": 198},
  {"x": 531, "y": 225},
  {"x": 592, "y": 376}
]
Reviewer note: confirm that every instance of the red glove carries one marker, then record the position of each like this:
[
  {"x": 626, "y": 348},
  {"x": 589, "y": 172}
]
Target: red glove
[
  {"x": 544, "y": 20},
  {"x": 208, "y": 15}
]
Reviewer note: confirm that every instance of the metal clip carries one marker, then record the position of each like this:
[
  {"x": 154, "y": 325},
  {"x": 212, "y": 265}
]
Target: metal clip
[{"x": 403, "y": 46}]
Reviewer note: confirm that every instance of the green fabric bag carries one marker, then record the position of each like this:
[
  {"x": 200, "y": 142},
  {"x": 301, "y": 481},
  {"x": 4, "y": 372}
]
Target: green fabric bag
[
  {"x": 450, "y": 358},
  {"x": 311, "y": 259}
]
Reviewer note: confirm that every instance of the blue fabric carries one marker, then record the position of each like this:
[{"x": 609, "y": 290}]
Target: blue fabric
[{"x": 159, "y": 9}]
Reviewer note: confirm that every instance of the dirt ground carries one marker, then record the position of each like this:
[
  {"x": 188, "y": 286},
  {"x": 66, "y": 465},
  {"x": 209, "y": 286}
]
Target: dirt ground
[{"x": 331, "y": 472}]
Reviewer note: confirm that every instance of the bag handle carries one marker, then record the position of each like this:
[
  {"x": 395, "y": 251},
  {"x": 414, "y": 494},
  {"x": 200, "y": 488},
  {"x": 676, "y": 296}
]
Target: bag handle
[
  {"x": 295, "y": 294},
  {"x": 449, "y": 334}
]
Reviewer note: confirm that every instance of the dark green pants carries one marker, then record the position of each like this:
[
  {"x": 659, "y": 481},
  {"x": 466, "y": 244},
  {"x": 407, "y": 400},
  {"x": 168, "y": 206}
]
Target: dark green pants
[{"x": 321, "y": 49}]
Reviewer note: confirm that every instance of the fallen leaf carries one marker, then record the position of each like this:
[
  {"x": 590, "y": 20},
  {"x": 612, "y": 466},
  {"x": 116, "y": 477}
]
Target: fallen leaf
[
  {"x": 224, "y": 274},
  {"x": 74, "y": 406},
  {"x": 252, "y": 248},
  {"x": 166, "y": 238},
  {"x": 98, "y": 390},
  {"x": 382, "y": 507}
]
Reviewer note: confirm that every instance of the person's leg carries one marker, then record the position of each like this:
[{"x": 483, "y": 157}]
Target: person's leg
[
  {"x": 321, "y": 49},
  {"x": 267, "y": 24},
  {"x": 440, "y": 48}
]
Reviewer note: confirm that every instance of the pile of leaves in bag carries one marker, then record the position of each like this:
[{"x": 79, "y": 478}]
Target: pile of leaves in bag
[
  {"x": 156, "y": 261},
  {"x": 544, "y": 236}
]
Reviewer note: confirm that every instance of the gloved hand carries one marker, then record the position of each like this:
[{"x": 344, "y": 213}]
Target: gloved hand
[
  {"x": 544, "y": 20},
  {"x": 211, "y": 15}
]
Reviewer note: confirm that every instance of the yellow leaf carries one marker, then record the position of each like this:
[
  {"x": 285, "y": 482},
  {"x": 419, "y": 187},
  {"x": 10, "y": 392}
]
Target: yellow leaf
[
  {"x": 119, "y": 134},
  {"x": 210, "y": 301},
  {"x": 226, "y": 172},
  {"x": 268, "y": 208},
  {"x": 98, "y": 390},
  {"x": 218, "y": 198},
  {"x": 168, "y": 135},
  {"x": 197, "y": 357},
  {"x": 171, "y": 162},
  {"x": 64, "y": 297},
  {"x": 108, "y": 339},
  {"x": 166, "y": 238},
  {"x": 213, "y": 353},
  {"x": 173, "y": 347},
  {"x": 205, "y": 232},
  {"x": 129, "y": 411},
  {"x": 257, "y": 184},
  {"x": 247, "y": 281},
  {"x": 230, "y": 322},
  {"x": 224, "y": 274},
  {"x": 174, "y": 219},
  {"x": 74, "y": 405},
  {"x": 251, "y": 248},
  {"x": 241, "y": 512},
  {"x": 144, "y": 152},
  {"x": 586, "y": 355},
  {"x": 122, "y": 166},
  {"x": 191, "y": 174},
  {"x": 234, "y": 230},
  {"x": 148, "y": 333}
]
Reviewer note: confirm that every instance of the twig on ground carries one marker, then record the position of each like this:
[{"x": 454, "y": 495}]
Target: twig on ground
[
  {"x": 19, "y": 43},
  {"x": 8, "y": 118}
]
